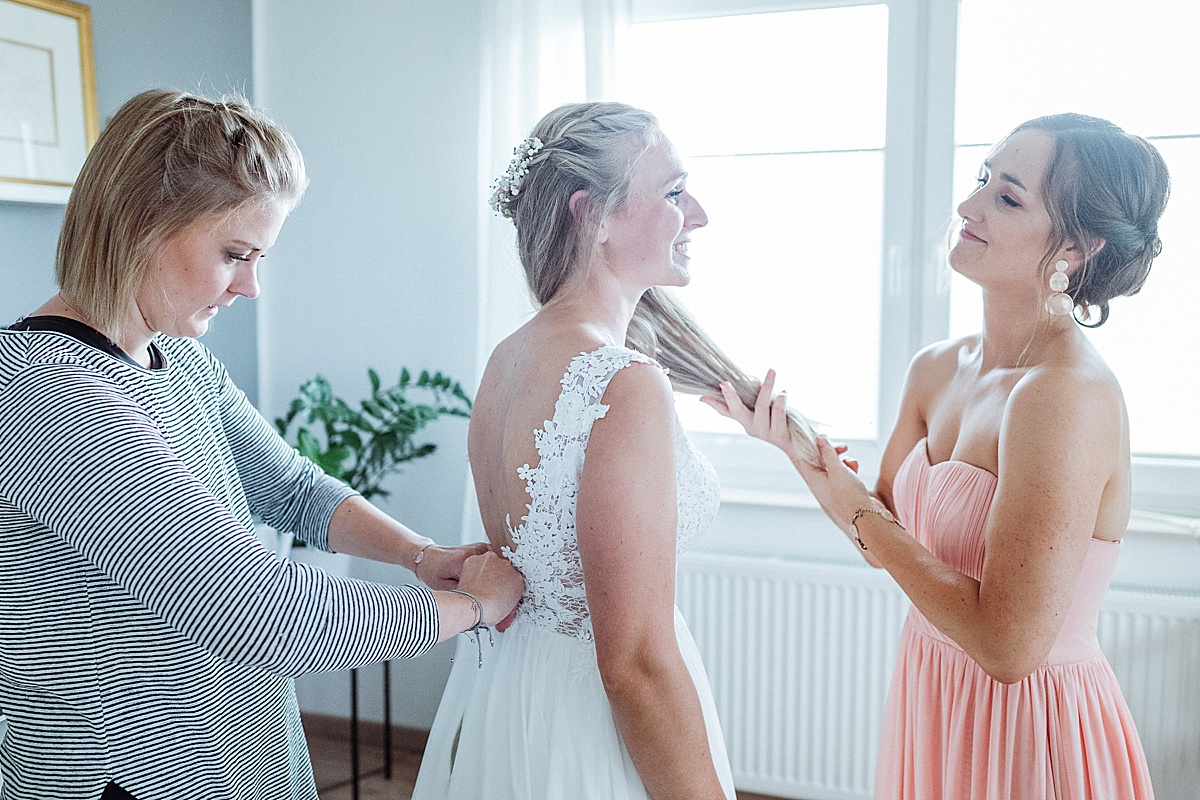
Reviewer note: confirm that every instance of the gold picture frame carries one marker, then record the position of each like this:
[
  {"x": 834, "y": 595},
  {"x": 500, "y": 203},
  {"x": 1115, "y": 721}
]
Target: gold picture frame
[{"x": 49, "y": 117}]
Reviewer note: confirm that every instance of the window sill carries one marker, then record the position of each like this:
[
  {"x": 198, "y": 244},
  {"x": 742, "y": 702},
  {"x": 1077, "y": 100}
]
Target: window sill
[{"x": 1141, "y": 523}]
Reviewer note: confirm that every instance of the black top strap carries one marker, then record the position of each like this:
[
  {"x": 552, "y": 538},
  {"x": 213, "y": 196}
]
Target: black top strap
[{"x": 84, "y": 333}]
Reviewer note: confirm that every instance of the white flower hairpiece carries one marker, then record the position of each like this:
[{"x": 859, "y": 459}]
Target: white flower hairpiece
[{"x": 506, "y": 188}]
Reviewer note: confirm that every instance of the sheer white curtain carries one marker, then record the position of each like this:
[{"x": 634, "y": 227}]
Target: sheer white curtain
[{"x": 534, "y": 56}]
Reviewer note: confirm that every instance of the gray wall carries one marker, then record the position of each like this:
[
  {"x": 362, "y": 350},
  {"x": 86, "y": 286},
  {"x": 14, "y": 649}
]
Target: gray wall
[
  {"x": 141, "y": 44},
  {"x": 378, "y": 266}
]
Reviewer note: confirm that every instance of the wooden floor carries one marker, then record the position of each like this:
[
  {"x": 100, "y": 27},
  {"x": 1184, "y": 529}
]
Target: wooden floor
[{"x": 329, "y": 745}]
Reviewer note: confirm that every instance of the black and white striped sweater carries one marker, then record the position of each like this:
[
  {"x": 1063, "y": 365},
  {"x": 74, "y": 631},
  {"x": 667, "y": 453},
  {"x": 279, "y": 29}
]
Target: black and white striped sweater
[{"x": 146, "y": 637}]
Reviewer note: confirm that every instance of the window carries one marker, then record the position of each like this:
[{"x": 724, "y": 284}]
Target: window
[
  {"x": 779, "y": 177},
  {"x": 829, "y": 144}
]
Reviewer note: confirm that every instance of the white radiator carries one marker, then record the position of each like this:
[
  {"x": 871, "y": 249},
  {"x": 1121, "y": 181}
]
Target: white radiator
[
  {"x": 800, "y": 656},
  {"x": 1153, "y": 644}
]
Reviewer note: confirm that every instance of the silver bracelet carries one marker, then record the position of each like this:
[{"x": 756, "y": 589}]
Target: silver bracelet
[
  {"x": 883, "y": 512},
  {"x": 477, "y": 606}
]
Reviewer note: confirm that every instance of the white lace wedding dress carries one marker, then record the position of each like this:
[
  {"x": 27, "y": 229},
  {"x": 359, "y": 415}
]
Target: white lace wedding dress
[{"x": 534, "y": 723}]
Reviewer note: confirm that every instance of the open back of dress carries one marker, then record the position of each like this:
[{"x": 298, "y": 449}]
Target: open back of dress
[{"x": 534, "y": 720}]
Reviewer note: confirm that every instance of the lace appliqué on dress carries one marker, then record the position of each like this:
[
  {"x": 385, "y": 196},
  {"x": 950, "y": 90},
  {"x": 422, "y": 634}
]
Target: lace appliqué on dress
[{"x": 547, "y": 551}]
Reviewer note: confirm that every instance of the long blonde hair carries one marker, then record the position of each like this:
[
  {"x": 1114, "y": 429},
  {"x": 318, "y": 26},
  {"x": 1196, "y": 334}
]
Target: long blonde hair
[{"x": 593, "y": 147}]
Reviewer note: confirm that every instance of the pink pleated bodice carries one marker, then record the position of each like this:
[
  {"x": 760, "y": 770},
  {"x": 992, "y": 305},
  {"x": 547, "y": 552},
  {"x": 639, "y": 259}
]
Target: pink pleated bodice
[{"x": 950, "y": 730}]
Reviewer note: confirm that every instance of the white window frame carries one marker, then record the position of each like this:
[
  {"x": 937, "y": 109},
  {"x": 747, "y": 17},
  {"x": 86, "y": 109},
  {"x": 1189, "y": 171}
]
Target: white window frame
[{"x": 914, "y": 296}]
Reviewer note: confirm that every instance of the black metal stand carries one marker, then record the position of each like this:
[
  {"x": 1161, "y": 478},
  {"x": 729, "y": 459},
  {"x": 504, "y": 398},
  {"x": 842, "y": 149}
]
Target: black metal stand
[
  {"x": 386, "y": 770},
  {"x": 387, "y": 720},
  {"x": 354, "y": 731}
]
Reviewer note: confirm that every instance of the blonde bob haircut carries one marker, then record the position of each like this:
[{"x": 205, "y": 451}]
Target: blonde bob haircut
[{"x": 166, "y": 160}]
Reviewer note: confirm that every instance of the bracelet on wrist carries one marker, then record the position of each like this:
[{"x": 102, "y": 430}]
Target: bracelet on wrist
[
  {"x": 421, "y": 555},
  {"x": 882, "y": 512},
  {"x": 477, "y": 607}
]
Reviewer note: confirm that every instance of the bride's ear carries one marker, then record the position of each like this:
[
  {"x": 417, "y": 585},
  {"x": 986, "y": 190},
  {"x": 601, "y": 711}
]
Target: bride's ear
[
  {"x": 577, "y": 199},
  {"x": 579, "y": 212}
]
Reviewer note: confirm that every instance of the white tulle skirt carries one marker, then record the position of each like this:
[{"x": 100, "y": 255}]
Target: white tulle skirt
[{"x": 534, "y": 723}]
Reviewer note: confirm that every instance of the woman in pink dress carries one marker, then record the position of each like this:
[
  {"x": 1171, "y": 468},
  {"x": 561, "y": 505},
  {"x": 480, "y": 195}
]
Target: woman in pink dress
[{"x": 1004, "y": 490}]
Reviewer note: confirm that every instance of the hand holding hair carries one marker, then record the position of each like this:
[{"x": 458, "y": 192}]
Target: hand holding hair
[{"x": 770, "y": 419}]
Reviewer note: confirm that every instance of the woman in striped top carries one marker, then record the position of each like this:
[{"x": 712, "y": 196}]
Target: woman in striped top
[{"x": 126, "y": 668}]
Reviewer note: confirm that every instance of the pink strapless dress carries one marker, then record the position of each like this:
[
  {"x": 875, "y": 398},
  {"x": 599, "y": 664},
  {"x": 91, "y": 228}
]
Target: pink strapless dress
[{"x": 951, "y": 732}]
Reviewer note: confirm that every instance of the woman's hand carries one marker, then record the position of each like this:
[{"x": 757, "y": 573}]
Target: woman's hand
[
  {"x": 495, "y": 582},
  {"x": 767, "y": 420},
  {"x": 441, "y": 567},
  {"x": 835, "y": 484}
]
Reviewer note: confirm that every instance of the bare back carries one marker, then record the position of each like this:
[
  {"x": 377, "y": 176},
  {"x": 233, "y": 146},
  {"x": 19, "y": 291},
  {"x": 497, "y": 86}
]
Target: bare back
[{"x": 520, "y": 386}]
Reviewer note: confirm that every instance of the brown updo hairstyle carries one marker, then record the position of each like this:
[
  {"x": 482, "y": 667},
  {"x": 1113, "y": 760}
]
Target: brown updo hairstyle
[
  {"x": 167, "y": 159},
  {"x": 1104, "y": 188}
]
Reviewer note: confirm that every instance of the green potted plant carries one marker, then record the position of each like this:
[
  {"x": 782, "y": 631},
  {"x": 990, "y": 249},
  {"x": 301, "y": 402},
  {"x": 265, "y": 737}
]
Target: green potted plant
[{"x": 366, "y": 445}]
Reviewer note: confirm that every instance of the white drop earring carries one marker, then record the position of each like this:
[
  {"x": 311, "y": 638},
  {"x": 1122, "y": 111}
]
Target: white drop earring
[{"x": 1060, "y": 303}]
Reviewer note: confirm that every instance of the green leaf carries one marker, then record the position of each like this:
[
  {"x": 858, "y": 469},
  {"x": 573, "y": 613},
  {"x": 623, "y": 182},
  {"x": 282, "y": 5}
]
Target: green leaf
[
  {"x": 458, "y": 392},
  {"x": 308, "y": 445},
  {"x": 331, "y": 462},
  {"x": 352, "y": 440},
  {"x": 363, "y": 445},
  {"x": 374, "y": 409}
]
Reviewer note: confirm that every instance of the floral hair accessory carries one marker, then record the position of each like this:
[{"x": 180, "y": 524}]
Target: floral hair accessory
[{"x": 506, "y": 188}]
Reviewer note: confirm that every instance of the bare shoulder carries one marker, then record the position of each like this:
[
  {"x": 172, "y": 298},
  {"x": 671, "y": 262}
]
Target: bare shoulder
[
  {"x": 937, "y": 363},
  {"x": 630, "y": 451},
  {"x": 637, "y": 428},
  {"x": 534, "y": 356},
  {"x": 931, "y": 370},
  {"x": 642, "y": 388},
  {"x": 1067, "y": 418},
  {"x": 1078, "y": 392},
  {"x": 499, "y": 362}
]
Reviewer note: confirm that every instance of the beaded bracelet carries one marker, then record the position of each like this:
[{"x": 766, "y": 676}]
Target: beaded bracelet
[{"x": 883, "y": 512}]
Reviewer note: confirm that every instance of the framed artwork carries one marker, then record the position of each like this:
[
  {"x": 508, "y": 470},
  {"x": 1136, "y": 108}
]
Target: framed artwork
[{"x": 48, "y": 113}]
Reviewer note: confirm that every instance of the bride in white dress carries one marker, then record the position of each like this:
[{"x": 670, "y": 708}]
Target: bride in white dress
[{"x": 597, "y": 689}]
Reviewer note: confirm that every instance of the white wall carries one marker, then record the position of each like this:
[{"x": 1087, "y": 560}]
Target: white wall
[{"x": 377, "y": 266}]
